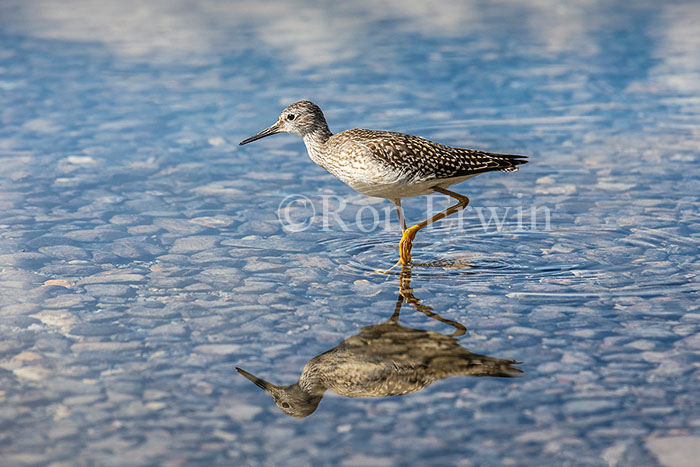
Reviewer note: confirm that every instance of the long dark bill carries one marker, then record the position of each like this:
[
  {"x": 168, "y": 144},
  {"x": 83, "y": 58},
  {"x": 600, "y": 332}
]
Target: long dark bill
[
  {"x": 261, "y": 383},
  {"x": 271, "y": 130}
]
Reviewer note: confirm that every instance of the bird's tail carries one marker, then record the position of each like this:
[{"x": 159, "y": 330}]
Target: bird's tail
[
  {"x": 471, "y": 364},
  {"x": 509, "y": 162}
]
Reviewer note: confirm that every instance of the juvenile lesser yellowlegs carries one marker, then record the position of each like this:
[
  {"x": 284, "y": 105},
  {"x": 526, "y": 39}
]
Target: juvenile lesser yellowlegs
[{"x": 388, "y": 165}]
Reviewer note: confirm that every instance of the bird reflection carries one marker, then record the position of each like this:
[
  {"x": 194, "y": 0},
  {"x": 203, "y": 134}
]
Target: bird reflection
[{"x": 385, "y": 360}]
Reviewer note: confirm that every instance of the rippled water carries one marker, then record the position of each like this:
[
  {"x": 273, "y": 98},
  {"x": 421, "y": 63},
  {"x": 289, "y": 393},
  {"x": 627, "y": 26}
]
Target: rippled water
[{"x": 142, "y": 257}]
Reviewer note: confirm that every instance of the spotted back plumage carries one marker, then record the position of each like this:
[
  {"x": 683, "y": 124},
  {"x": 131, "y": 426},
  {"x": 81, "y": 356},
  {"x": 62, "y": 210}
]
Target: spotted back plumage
[{"x": 422, "y": 159}]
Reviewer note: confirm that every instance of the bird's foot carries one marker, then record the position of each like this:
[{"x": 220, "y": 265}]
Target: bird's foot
[
  {"x": 387, "y": 271},
  {"x": 406, "y": 244}
]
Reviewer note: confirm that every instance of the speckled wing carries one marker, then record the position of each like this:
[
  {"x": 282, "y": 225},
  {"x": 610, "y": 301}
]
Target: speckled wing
[
  {"x": 422, "y": 159},
  {"x": 462, "y": 362}
]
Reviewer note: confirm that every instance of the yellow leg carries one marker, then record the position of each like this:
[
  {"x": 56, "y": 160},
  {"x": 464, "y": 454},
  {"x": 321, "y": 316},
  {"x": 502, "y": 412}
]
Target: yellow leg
[
  {"x": 409, "y": 234},
  {"x": 406, "y": 244}
]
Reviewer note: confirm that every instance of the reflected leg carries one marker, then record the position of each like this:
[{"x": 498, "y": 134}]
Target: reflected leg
[{"x": 406, "y": 293}]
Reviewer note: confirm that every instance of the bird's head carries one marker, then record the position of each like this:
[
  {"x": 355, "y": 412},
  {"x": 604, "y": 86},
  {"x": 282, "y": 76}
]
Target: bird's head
[
  {"x": 292, "y": 400},
  {"x": 300, "y": 118}
]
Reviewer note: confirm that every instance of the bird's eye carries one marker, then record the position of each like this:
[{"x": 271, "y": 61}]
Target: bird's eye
[
  {"x": 290, "y": 116},
  {"x": 284, "y": 404}
]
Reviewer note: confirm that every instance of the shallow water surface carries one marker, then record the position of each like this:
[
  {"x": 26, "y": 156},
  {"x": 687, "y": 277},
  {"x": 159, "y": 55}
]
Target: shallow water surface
[{"x": 144, "y": 255}]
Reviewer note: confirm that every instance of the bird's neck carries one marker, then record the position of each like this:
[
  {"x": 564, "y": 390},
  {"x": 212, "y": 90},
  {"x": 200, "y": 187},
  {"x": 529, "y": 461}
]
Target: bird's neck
[
  {"x": 315, "y": 140},
  {"x": 311, "y": 380}
]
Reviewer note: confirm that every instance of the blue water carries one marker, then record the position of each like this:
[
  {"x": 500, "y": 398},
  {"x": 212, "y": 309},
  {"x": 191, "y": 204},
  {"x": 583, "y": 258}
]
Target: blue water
[{"x": 142, "y": 257}]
